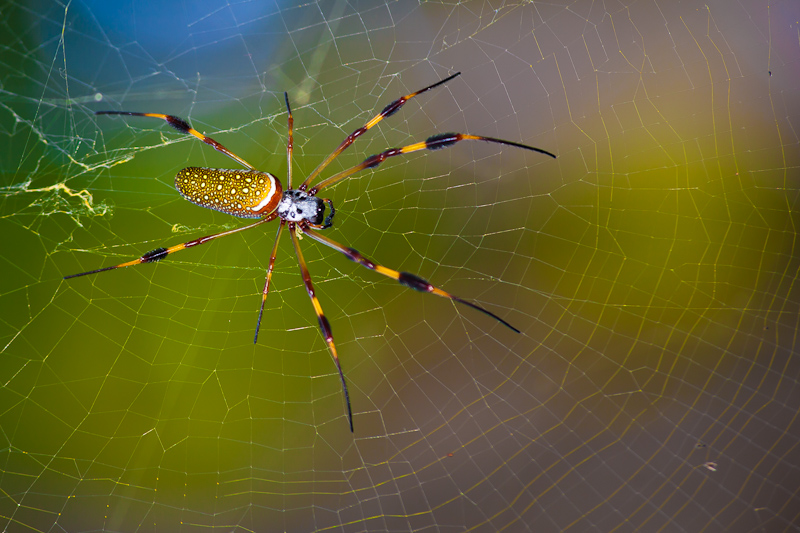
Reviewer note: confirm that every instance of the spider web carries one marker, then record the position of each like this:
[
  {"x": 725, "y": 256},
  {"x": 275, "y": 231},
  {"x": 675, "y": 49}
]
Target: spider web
[{"x": 652, "y": 269}]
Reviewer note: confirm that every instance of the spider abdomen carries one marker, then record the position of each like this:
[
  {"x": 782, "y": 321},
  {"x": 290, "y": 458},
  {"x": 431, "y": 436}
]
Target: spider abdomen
[{"x": 241, "y": 193}]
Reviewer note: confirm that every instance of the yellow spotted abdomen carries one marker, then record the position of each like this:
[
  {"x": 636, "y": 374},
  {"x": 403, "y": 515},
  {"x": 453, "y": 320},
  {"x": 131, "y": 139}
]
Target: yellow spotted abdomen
[{"x": 241, "y": 193}]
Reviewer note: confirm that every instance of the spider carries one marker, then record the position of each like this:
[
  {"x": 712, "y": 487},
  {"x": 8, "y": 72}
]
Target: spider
[{"x": 252, "y": 193}]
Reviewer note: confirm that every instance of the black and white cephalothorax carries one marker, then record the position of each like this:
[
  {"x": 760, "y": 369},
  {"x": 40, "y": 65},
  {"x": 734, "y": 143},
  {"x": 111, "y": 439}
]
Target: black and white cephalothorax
[{"x": 297, "y": 206}]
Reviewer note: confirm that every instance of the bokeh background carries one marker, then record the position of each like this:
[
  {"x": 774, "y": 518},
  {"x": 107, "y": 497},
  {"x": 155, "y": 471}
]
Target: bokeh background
[{"x": 652, "y": 269}]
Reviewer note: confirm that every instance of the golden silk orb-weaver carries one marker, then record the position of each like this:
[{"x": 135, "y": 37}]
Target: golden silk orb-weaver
[{"x": 252, "y": 193}]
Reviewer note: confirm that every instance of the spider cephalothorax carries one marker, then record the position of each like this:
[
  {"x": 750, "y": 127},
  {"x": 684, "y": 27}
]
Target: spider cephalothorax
[{"x": 299, "y": 206}]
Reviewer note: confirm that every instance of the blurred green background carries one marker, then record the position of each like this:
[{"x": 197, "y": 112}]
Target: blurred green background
[{"x": 652, "y": 269}]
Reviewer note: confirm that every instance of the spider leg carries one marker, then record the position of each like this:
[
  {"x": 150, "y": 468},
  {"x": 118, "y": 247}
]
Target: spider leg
[
  {"x": 407, "y": 279},
  {"x": 387, "y": 111},
  {"x": 160, "y": 253},
  {"x": 265, "y": 292},
  {"x": 290, "y": 143},
  {"x": 324, "y": 325},
  {"x": 184, "y": 127},
  {"x": 434, "y": 142}
]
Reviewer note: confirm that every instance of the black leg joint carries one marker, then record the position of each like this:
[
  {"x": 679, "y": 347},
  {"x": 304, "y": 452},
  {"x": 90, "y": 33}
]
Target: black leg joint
[
  {"x": 441, "y": 140},
  {"x": 413, "y": 281},
  {"x": 154, "y": 255},
  {"x": 178, "y": 123}
]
